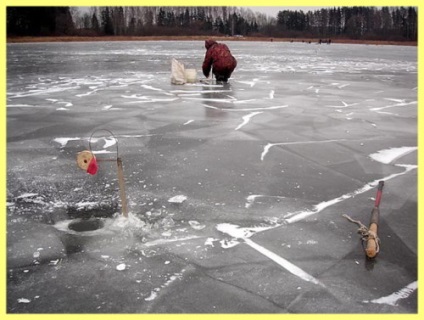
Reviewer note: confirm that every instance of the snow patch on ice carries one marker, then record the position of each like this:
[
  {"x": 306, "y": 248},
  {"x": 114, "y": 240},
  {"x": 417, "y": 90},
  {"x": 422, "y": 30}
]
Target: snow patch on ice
[
  {"x": 238, "y": 232},
  {"x": 210, "y": 241},
  {"x": 247, "y": 118},
  {"x": 174, "y": 277},
  {"x": 393, "y": 298},
  {"x": 186, "y": 123},
  {"x": 121, "y": 267},
  {"x": 389, "y": 155},
  {"x": 150, "y": 88},
  {"x": 86, "y": 205},
  {"x": 64, "y": 141},
  {"x": 24, "y": 300},
  {"x": 27, "y": 195},
  {"x": 226, "y": 244},
  {"x": 152, "y": 296},
  {"x": 109, "y": 142},
  {"x": 164, "y": 241},
  {"x": 252, "y": 198},
  {"x": 196, "y": 225},
  {"x": 178, "y": 199}
]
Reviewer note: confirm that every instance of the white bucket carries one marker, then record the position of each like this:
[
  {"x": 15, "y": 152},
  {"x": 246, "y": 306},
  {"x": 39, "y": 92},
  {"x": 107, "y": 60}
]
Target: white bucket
[{"x": 190, "y": 75}]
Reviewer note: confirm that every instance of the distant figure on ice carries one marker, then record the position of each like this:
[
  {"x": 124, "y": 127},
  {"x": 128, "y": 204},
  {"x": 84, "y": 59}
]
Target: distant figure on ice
[{"x": 218, "y": 58}]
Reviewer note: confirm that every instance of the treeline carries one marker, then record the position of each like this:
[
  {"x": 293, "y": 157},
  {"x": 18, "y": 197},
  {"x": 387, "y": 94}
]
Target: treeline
[
  {"x": 39, "y": 21},
  {"x": 149, "y": 21},
  {"x": 363, "y": 23},
  {"x": 370, "y": 23}
]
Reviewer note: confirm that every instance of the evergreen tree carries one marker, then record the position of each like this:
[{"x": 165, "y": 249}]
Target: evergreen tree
[
  {"x": 95, "y": 23},
  {"x": 107, "y": 25}
]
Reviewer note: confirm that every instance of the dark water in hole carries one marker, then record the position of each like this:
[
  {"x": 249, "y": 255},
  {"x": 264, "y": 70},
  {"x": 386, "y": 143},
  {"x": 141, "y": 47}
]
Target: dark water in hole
[
  {"x": 75, "y": 243},
  {"x": 86, "y": 225}
]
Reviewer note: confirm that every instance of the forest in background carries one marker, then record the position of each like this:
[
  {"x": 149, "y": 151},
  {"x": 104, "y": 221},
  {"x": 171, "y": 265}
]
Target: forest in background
[{"x": 356, "y": 23}]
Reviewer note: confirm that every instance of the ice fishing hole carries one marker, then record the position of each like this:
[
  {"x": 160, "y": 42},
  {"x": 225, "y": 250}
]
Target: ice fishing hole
[{"x": 86, "y": 225}]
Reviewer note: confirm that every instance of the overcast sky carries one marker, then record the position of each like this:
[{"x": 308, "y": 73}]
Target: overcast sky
[{"x": 272, "y": 11}]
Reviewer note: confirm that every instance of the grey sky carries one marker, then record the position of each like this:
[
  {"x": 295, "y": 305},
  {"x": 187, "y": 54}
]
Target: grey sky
[{"x": 273, "y": 10}]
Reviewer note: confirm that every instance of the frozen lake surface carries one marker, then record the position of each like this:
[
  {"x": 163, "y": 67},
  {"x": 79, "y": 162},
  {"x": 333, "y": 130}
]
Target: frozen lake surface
[{"x": 236, "y": 192}]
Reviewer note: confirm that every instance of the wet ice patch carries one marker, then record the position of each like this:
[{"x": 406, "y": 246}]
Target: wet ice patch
[{"x": 389, "y": 155}]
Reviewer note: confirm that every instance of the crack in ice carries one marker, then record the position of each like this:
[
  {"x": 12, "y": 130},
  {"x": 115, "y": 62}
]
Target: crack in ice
[
  {"x": 246, "y": 109},
  {"x": 244, "y": 234},
  {"x": 247, "y": 118},
  {"x": 296, "y": 216},
  {"x": 269, "y": 145}
]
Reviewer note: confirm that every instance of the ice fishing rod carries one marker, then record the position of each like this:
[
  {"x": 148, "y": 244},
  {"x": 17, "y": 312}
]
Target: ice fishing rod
[
  {"x": 373, "y": 242},
  {"x": 370, "y": 240}
]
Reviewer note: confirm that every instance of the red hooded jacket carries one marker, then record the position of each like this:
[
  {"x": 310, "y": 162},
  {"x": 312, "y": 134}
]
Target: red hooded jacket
[{"x": 220, "y": 58}]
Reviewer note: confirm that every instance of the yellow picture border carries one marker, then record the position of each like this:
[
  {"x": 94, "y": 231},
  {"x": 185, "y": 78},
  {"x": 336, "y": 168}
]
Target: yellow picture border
[{"x": 238, "y": 3}]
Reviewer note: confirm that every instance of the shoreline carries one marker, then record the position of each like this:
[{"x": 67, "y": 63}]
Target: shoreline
[{"x": 26, "y": 39}]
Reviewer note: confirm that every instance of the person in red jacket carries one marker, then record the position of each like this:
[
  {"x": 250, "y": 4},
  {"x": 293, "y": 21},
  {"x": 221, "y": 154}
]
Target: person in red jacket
[{"x": 218, "y": 58}]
